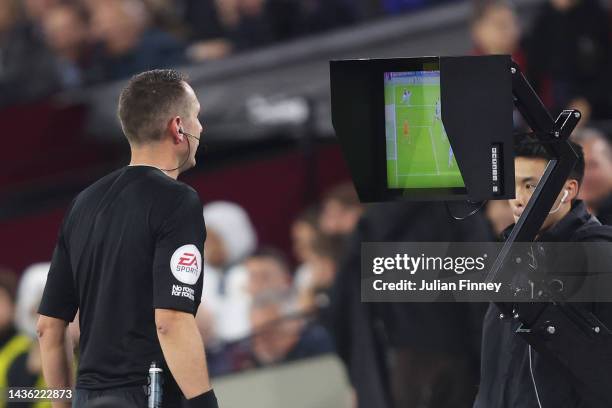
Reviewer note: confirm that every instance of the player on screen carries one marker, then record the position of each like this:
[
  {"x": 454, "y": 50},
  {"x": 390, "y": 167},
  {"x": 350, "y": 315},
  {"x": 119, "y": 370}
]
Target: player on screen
[
  {"x": 406, "y": 97},
  {"x": 450, "y": 156},
  {"x": 438, "y": 110},
  {"x": 406, "y": 131}
]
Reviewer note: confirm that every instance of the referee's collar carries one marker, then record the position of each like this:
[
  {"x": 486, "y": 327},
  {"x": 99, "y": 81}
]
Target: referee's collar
[{"x": 149, "y": 166}]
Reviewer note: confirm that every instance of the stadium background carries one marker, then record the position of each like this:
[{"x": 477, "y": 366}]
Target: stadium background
[{"x": 260, "y": 69}]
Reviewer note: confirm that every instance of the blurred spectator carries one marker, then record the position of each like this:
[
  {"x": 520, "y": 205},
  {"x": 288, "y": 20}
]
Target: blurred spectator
[
  {"x": 12, "y": 344},
  {"x": 499, "y": 215},
  {"x": 268, "y": 269},
  {"x": 569, "y": 57},
  {"x": 196, "y": 22},
  {"x": 66, "y": 33},
  {"x": 253, "y": 23},
  {"x": 279, "y": 335},
  {"x": 496, "y": 30},
  {"x": 596, "y": 188},
  {"x": 35, "y": 10},
  {"x": 26, "y": 369},
  {"x": 218, "y": 357},
  {"x": 408, "y": 354},
  {"x": 230, "y": 234},
  {"x": 304, "y": 232},
  {"x": 227, "y": 12},
  {"x": 166, "y": 15},
  {"x": 210, "y": 23},
  {"x": 326, "y": 254},
  {"x": 293, "y": 18},
  {"x": 340, "y": 211},
  {"x": 400, "y": 6},
  {"x": 8, "y": 286},
  {"x": 26, "y": 69},
  {"x": 316, "y": 297},
  {"x": 230, "y": 239},
  {"x": 128, "y": 44},
  {"x": 253, "y": 27}
]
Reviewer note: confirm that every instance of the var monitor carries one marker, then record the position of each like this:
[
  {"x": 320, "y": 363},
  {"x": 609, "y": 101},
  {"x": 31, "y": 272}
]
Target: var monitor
[{"x": 426, "y": 128}]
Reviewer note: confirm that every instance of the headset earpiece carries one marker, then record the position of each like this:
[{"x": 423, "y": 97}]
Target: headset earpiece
[{"x": 565, "y": 194}]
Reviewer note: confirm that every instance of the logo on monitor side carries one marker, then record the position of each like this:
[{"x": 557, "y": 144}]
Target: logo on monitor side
[{"x": 495, "y": 173}]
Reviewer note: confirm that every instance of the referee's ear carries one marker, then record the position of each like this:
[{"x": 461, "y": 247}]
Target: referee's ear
[{"x": 175, "y": 130}]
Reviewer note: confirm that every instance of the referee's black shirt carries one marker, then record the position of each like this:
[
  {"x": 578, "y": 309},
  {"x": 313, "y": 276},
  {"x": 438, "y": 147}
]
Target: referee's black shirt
[{"x": 130, "y": 243}]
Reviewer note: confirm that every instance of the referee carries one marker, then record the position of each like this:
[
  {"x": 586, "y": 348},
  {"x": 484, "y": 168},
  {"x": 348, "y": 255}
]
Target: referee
[{"x": 129, "y": 259}]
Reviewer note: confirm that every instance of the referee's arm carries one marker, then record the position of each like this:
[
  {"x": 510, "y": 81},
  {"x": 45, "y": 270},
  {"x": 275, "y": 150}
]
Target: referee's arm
[
  {"x": 183, "y": 350},
  {"x": 55, "y": 355},
  {"x": 177, "y": 286},
  {"x": 57, "y": 308}
]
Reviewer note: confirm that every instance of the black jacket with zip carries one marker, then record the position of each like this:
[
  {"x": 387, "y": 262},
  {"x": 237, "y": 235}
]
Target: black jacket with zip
[{"x": 517, "y": 375}]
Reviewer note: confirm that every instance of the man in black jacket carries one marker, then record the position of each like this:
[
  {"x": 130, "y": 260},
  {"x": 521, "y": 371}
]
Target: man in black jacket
[{"x": 515, "y": 374}]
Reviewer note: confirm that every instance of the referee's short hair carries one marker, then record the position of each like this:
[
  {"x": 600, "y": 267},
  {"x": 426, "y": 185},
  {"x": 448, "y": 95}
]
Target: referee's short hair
[{"x": 149, "y": 101}]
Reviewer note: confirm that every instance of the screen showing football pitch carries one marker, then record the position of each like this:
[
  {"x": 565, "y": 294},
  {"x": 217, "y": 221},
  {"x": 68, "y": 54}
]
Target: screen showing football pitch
[{"x": 419, "y": 154}]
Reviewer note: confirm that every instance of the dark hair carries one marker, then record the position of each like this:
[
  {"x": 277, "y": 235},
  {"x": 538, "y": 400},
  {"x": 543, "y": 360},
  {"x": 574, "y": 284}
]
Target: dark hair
[
  {"x": 328, "y": 246},
  {"x": 148, "y": 101},
  {"x": 8, "y": 282},
  {"x": 482, "y": 7},
  {"x": 532, "y": 148},
  {"x": 77, "y": 9},
  {"x": 583, "y": 135},
  {"x": 344, "y": 193},
  {"x": 309, "y": 216},
  {"x": 274, "y": 254}
]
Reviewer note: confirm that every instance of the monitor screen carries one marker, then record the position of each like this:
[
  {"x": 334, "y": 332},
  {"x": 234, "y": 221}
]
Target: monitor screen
[{"x": 418, "y": 152}]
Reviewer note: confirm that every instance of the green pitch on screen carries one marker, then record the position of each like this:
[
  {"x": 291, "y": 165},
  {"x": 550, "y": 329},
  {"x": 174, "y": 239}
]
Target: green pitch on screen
[{"x": 418, "y": 151}]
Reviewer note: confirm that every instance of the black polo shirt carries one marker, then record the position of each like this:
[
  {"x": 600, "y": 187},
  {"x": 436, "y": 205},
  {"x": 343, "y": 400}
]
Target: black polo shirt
[{"x": 130, "y": 243}]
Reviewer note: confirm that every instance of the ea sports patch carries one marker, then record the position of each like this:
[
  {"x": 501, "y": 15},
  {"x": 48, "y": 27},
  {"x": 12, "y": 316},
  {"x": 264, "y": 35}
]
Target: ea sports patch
[{"x": 186, "y": 264}]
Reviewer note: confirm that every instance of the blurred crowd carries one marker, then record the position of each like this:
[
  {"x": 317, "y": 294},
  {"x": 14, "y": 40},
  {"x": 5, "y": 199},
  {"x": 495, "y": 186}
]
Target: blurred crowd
[
  {"x": 52, "y": 45},
  {"x": 261, "y": 306},
  {"x": 565, "y": 52}
]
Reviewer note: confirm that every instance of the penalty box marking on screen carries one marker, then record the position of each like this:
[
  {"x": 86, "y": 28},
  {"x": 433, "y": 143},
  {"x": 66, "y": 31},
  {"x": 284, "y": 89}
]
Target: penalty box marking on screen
[
  {"x": 433, "y": 149},
  {"x": 429, "y": 127},
  {"x": 401, "y": 112}
]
